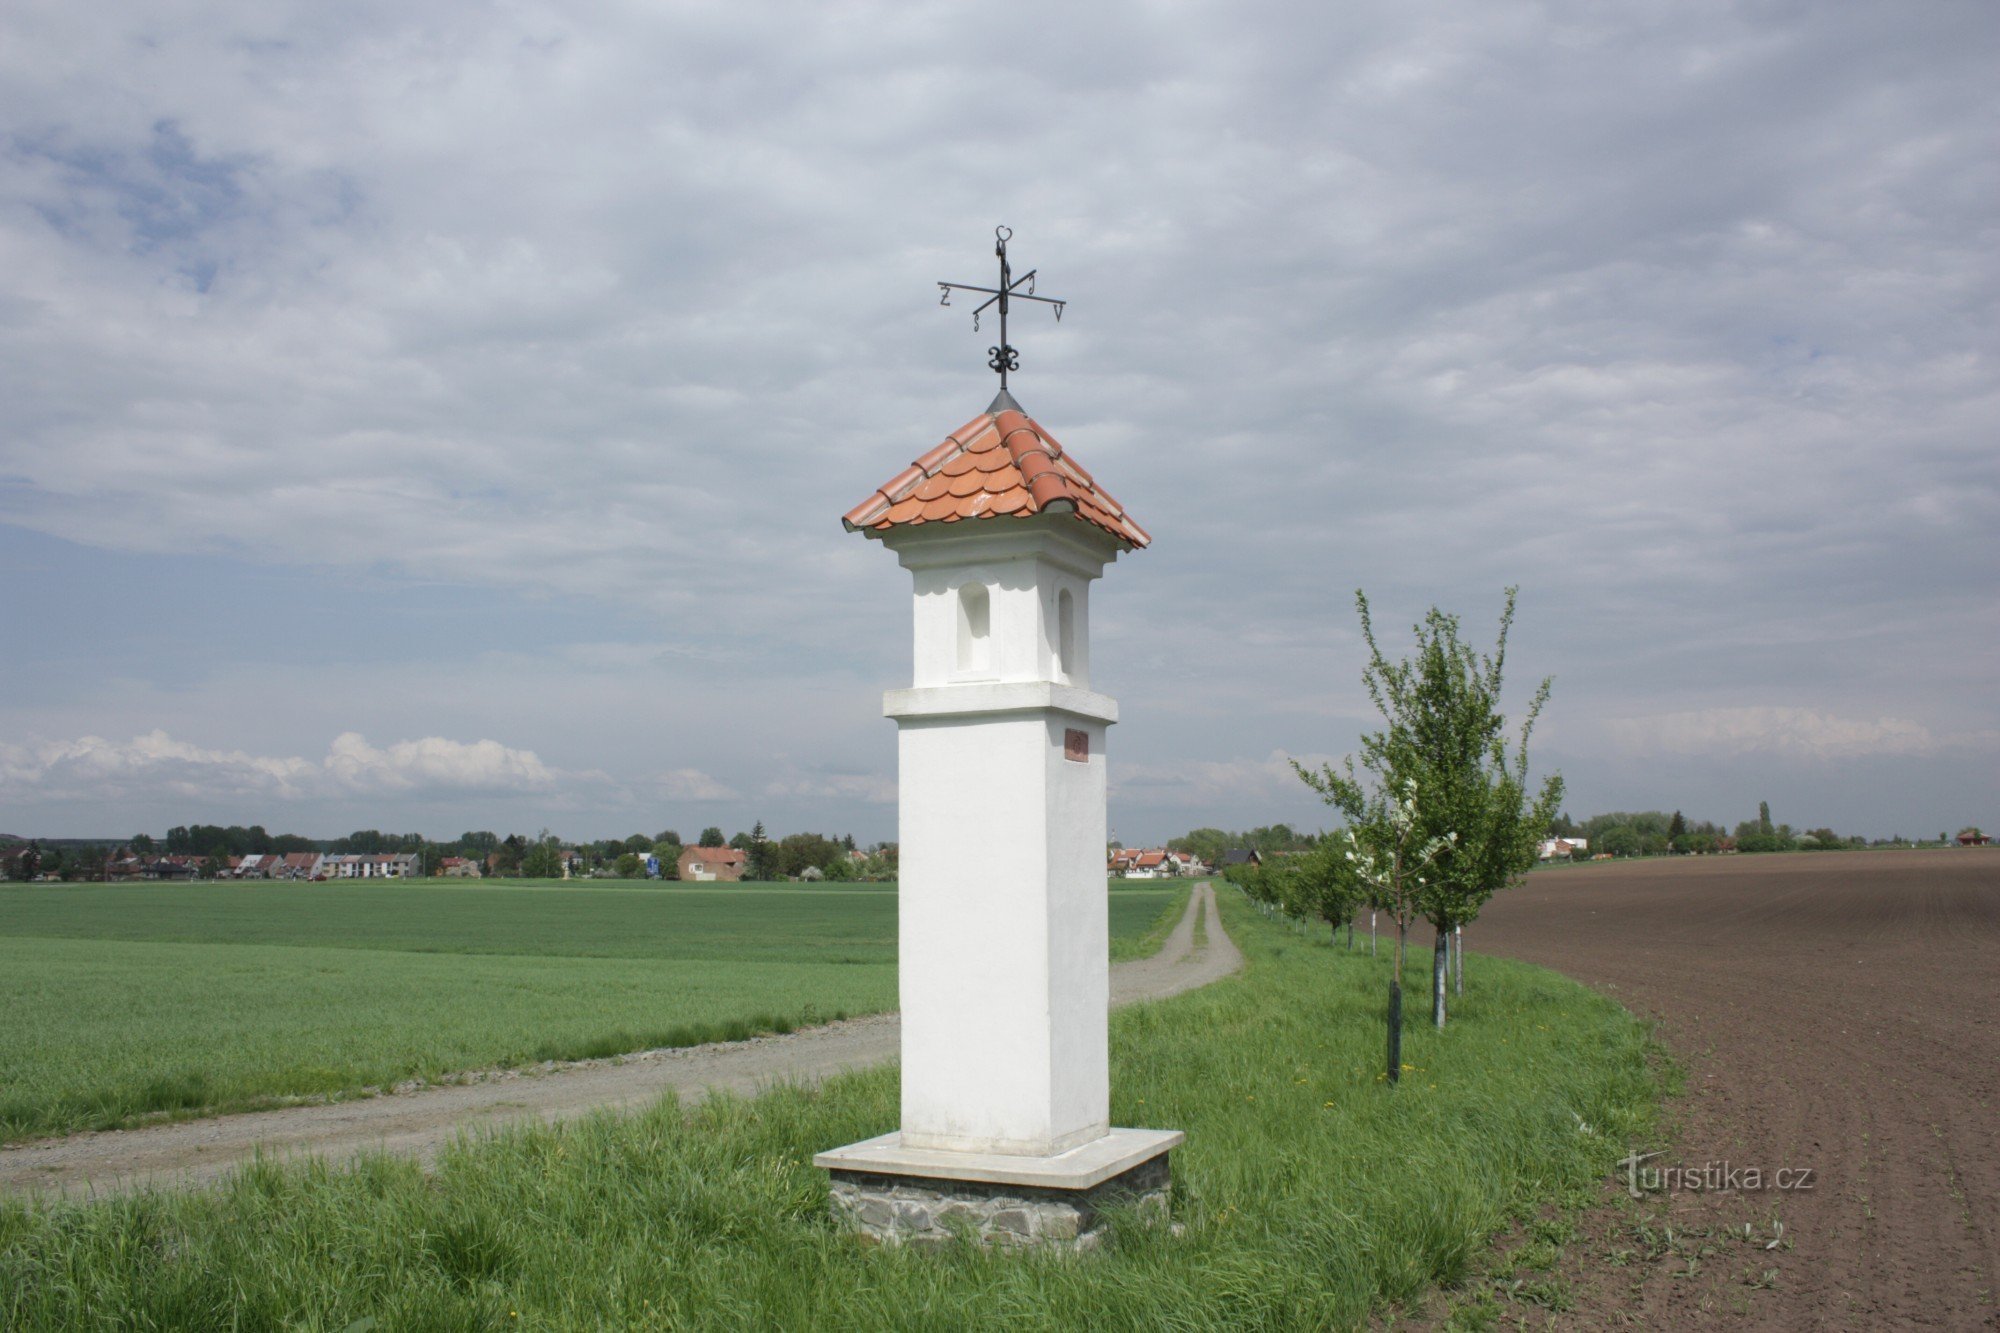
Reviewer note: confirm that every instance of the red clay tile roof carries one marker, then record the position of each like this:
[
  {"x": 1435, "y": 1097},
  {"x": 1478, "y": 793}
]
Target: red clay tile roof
[
  {"x": 716, "y": 855},
  {"x": 1000, "y": 462}
]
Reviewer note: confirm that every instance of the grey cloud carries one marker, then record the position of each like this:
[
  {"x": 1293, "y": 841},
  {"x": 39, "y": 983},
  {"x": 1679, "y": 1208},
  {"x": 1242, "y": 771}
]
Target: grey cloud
[{"x": 1682, "y": 319}]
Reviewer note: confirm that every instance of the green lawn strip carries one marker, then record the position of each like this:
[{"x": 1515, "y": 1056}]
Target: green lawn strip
[
  {"x": 1312, "y": 1193},
  {"x": 101, "y": 1033}
]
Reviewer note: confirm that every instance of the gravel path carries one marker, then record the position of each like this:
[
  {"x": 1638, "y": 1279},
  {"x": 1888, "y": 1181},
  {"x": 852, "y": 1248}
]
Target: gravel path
[{"x": 421, "y": 1121}]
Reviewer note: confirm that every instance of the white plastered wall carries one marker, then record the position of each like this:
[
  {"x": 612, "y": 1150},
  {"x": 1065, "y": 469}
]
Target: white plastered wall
[{"x": 1004, "y": 927}]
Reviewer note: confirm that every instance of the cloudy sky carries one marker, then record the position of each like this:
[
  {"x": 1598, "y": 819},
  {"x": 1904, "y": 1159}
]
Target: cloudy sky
[{"x": 438, "y": 415}]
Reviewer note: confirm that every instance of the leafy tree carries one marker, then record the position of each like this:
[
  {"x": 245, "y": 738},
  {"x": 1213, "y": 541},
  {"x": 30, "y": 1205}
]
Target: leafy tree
[
  {"x": 142, "y": 843},
  {"x": 796, "y": 851},
  {"x": 1764, "y": 818},
  {"x": 668, "y": 835},
  {"x": 1207, "y": 843},
  {"x": 1618, "y": 840},
  {"x": 542, "y": 859},
  {"x": 1676, "y": 831},
  {"x": 1322, "y": 885},
  {"x": 1446, "y": 747},
  {"x": 628, "y": 866},
  {"x": 761, "y": 854},
  {"x": 711, "y": 837}
]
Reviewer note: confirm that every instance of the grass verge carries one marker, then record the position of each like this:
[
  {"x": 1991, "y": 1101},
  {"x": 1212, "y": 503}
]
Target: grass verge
[{"x": 1312, "y": 1193}]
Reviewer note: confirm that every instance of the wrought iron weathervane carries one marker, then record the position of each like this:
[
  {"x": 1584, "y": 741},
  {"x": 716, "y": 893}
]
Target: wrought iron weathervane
[{"x": 1004, "y": 357}]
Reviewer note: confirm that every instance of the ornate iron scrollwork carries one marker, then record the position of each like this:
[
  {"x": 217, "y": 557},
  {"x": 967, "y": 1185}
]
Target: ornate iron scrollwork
[{"x": 1003, "y": 358}]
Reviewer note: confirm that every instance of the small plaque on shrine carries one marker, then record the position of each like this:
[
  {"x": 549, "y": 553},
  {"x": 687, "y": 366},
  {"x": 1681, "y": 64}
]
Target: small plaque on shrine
[{"x": 1076, "y": 745}]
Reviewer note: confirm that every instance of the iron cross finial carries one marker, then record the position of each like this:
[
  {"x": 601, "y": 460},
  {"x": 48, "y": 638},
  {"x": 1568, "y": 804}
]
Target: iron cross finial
[{"x": 1004, "y": 357}]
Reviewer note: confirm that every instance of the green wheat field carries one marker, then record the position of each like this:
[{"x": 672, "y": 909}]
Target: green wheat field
[{"x": 120, "y": 1002}]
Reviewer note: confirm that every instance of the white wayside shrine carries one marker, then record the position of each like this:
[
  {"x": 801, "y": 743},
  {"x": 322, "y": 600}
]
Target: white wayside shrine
[{"x": 1004, "y": 943}]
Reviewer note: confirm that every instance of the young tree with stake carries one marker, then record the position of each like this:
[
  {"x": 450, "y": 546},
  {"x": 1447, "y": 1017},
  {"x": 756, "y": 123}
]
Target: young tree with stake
[
  {"x": 1388, "y": 861},
  {"x": 1446, "y": 746}
]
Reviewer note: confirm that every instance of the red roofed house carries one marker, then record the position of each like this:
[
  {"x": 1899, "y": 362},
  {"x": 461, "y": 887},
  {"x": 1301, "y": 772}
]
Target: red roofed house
[
  {"x": 704, "y": 864},
  {"x": 298, "y": 865}
]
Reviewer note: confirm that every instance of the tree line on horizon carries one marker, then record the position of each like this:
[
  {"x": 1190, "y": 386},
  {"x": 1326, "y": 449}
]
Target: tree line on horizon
[
  {"x": 514, "y": 855},
  {"x": 1617, "y": 833},
  {"x": 1625, "y": 833}
]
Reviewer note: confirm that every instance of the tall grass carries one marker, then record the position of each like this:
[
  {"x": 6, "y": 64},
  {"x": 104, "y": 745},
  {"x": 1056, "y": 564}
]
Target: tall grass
[{"x": 1312, "y": 1194}]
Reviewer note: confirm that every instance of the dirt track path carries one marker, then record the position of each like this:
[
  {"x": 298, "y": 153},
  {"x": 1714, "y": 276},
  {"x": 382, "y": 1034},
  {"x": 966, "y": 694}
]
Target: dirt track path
[
  {"x": 1835, "y": 1012},
  {"x": 418, "y": 1123}
]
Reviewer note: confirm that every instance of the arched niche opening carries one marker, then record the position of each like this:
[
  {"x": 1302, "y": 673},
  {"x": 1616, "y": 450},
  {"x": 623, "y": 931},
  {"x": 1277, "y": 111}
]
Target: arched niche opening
[
  {"x": 1065, "y": 635},
  {"x": 975, "y": 630}
]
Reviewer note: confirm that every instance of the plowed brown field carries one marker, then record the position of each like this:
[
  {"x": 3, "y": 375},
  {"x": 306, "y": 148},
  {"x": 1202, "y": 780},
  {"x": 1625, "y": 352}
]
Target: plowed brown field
[{"x": 1834, "y": 1012}]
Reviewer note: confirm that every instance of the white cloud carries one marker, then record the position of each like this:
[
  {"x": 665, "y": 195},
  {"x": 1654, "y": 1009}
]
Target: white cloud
[
  {"x": 690, "y": 784},
  {"x": 92, "y": 766},
  {"x": 155, "y": 764},
  {"x": 437, "y": 764},
  {"x": 1799, "y": 733},
  {"x": 796, "y": 784}
]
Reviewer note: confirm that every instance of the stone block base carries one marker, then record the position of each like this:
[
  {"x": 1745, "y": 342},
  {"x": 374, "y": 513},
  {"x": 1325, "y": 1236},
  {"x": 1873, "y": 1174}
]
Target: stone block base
[{"x": 920, "y": 1210}]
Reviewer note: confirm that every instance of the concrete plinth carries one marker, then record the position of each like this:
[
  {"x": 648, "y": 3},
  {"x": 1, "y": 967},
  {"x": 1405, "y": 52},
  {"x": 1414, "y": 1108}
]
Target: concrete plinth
[{"x": 916, "y": 1196}]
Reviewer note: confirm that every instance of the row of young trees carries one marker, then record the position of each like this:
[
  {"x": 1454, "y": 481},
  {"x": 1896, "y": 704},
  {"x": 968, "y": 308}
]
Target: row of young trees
[{"x": 1439, "y": 815}]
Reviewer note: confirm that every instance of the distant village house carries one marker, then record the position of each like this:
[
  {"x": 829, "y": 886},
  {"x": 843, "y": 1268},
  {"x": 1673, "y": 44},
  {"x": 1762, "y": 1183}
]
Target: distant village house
[{"x": 712, "y": 864}]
